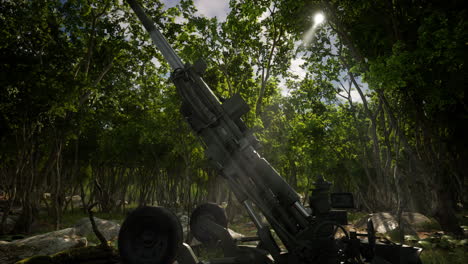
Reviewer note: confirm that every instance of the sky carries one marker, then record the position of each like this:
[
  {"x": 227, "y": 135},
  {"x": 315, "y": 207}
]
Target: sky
[
  {"x": 208, "y": 8},
  {"x": 220, "y": 9}
]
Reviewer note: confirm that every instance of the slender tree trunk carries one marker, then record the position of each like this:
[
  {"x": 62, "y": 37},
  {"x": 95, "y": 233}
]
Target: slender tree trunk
[
  {"x": 83, "y": 198},
  {"x": 9, "y": 183}
]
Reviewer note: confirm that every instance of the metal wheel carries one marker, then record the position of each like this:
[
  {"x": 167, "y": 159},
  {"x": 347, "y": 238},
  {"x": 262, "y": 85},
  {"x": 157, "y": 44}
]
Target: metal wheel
[
  {"x": 212, "y": 211},
  {"x": 150, "y": 235}
]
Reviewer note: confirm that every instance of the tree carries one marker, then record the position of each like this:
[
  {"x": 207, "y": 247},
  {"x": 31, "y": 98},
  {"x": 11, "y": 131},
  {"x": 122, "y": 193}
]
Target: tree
[{"x": 409, "y": 55}]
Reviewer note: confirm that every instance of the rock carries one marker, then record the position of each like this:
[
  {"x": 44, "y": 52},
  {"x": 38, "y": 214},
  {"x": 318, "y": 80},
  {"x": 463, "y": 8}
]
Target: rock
[
  {"x": 13, "y": 213},
  {"x": 109, "y": 229},
  {"x": 57, "y": 241},
  {"x": 120, "y": 202},
  {"x": 416, "y": 220},
  {"x": 385, "y": 222},
  {"x": 9, "y": 223},
  {"x": 234, "y": 234},
  {"x": 83, "y": 255},
  {"x": 75, "y": 200},
  {"x": 44, "y": 244},
  {"x": 184, "y": 221}
]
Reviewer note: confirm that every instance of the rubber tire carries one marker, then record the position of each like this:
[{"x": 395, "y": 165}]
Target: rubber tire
[
  {"x": 216, "y": 213},
  {"x": 163, "y": 231}
]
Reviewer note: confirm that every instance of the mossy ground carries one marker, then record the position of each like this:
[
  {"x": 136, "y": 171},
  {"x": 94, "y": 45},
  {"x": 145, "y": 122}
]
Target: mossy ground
[
  {"x": 84, "y": 255},
  {"x": 442, "y": 249},
  {"x": 437, "y": 249}
]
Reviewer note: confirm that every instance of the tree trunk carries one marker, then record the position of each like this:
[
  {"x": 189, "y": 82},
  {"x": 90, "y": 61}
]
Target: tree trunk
[{"x": 445, "y": 214}]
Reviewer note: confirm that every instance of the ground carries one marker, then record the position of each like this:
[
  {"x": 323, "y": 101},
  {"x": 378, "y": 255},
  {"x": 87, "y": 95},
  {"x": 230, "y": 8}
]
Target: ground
[{"x": 438, "y": 247}]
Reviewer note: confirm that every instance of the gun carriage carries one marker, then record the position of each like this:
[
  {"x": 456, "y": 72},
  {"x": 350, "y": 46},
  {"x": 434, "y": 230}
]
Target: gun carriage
[{"x": 154, "y": 234}]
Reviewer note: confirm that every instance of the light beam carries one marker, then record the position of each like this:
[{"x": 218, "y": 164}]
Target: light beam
[{"x": 308, "y": 37}]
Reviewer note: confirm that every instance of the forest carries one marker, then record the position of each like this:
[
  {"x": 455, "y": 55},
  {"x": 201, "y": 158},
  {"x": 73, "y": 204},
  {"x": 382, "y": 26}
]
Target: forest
[{"x": 372, "y": 99}]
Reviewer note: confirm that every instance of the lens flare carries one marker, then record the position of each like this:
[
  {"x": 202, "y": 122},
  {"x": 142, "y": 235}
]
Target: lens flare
[
  {"x": 318, "y": 19},
  {"x": 308, "y": 37}
]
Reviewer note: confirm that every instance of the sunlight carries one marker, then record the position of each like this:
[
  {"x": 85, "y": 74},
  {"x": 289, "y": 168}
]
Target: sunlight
[
  {"x": 308, "y": 37},
  {"x": 318, "y": 19}
]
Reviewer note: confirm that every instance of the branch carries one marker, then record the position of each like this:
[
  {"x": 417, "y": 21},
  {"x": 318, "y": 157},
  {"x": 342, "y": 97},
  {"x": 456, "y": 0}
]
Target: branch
[
  {"x": 106, "y": 69},
  {"x": 96, "y": 231}
]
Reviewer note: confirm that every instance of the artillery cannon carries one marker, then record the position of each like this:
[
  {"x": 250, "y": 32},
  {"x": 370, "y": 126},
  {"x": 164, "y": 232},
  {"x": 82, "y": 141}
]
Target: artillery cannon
[{"x": 154, "y": 234}]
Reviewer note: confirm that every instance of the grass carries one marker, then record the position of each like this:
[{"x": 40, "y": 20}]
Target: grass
[
  {"x": 433, "y": 225},
  {"x": 43, "y": 223},
  {"x": 439, "y": 252},
  {"x": 204, "y": 253},
  {"x": 434, "y": 254},
  {"x": 244, "y": 226},
  {"x": 441, "y": 256},
  {"x": 69, "y": 219},
  {"x": 354, "y": 216},
  {"x": 96, "y": 254}
]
